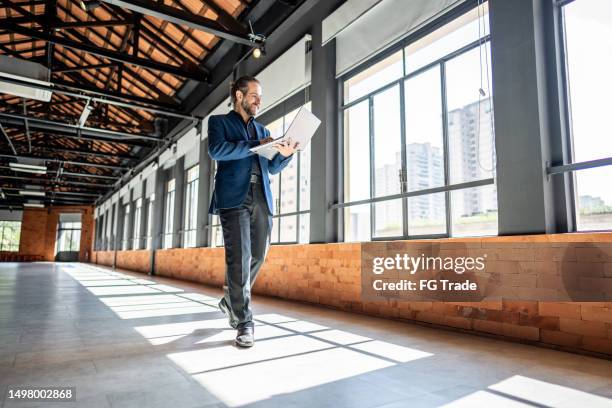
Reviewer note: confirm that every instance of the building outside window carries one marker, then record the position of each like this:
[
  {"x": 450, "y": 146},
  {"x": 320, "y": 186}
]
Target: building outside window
[
  {"x": 10, "y": 234},
  {"x": 169, "y": 214},
  {"x": 586, "y": 32},
  {"x": 137, "y": 221},
  {"x": 69, "y": 237},
  {"x": 191, "y": 207},
  {"x": 418, "y": 145}
]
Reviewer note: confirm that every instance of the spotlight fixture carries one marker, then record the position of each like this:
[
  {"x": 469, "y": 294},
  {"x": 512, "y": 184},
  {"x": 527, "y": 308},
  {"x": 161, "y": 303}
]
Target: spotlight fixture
[
  {"x": 2, "y": 194},
  {"x": 85, "y": 114},
  {"x": 89, "y": 5},
  {"x": 258, "y": 52},
  {"x": 28, "y": 168},
  {"x": 32, "y": 193}
]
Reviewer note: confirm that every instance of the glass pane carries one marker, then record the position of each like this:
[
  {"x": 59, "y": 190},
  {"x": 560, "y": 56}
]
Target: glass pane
[
  {"x": 61, "y": 239},
  {"x": 593, "y": 202},
  {"x": 387, "y": 143},
  {"x": 150, "y": 225},
  {"x": 274, "y": 234},
  {"x": 588, "y": 26},
  {"x": 169, "y": 212},
  {"x": 470, "y": 121},
  {"x": 276, "y": 128},
  {"x": 189, "y": 240},
  {"x": 424, "y": 139},
  {"x": 193, "y": 173},
  {"x": 388, "y": 219},
  {"x": 191, "y": 205},
  {"x": 289, "y": 118},
  {"x": 357, "y": 223},
  {"x": 126, "y": 228},
  {"x": 474, "y": 211},
  {"x": 373, "y": 78},
  {"x": 137, "y": 221},
  {"x": 10, "y": 233},
  {"x": 453, "y": 36},
  {"x": 193, "y": 217},
  {"x": 216, "y": 237},
  {"x": 288, "y": 232},
  {"x": 167, "y": 241},
  {"x": 304, "y": 237},
  {"x": 76, "y": 240},
  {"x": 275, "y": 188},
  {"x": 427, "y": 215},
  {"x": 305, "y": 179},
  {"x": 357, "y": 152},
  {"x": 288, "y": 193},
  {"x": 169, "y": 220}
]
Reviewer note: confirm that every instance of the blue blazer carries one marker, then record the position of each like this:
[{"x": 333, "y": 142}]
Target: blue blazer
[{"x": 229, "y": 144}]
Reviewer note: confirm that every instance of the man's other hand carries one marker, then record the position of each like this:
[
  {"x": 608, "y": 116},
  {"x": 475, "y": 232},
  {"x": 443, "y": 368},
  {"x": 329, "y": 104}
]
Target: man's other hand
[
  {"x": 287, "y": 148},
  {"x": 266, "y": 140}
]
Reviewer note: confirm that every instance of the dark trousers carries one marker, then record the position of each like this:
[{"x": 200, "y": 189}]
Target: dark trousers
[{"x": 246, "y": 234}]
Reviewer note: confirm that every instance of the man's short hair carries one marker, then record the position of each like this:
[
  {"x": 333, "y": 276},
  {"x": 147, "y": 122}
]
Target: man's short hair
[{"x": 242, "y": 85}]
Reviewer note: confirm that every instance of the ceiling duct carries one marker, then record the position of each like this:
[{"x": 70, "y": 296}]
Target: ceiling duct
[{"x": 26, "y": 71}]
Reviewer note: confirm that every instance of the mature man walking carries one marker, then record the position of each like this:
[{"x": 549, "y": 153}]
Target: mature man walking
[{"x": 242, "y": 198}]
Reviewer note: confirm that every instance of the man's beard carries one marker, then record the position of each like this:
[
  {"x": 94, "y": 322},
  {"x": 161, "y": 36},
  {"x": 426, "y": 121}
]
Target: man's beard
[{"x": 251, "y": 109}]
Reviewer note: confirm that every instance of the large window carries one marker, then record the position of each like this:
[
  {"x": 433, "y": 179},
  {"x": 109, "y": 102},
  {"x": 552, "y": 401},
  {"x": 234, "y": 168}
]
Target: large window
[
  {"x": 10, "y": 233},
  {"x": 137, "y": 222},
  {"x": 169, "y": 215},
  {"x": 291, "y": 190},
  {"x": 126, "y": 222},
  {"x": 587, "y": 33},
  {"x": 418, "y": 145},
  {"x": 68, "y": 236},
  {"x": 191, "y": 207},
  {"x": 216, "y": 232},
  {"x": 150, "y": 204}
]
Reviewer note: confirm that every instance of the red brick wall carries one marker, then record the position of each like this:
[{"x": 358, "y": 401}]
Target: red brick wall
[
  {"x": 103, "y": 258},
  {"x": 330, "y": 274},
  {"x": 33, "y": 232},
  {"x": 138, "y": 261},
  {"x": 39, "y": 231}
]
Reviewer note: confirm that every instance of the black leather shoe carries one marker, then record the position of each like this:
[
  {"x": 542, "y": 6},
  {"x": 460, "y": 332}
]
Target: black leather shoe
[{"x": 245, "y": 337}]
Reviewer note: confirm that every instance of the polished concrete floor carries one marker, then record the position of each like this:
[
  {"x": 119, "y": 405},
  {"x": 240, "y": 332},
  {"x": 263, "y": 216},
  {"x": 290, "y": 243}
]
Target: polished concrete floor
[{"x": 128, "y": 340}]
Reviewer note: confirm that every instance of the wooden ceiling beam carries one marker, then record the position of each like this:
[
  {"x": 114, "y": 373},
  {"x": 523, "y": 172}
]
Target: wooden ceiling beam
[{"x": 91, "y": 48}]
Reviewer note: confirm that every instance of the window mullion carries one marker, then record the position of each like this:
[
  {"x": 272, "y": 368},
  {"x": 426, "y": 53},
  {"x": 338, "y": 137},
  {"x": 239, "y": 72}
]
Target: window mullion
[
  {"x": 372, "y": 164},
  {"x": 297, "y": 203},
  {"x": 445, "y": 144},
  {"x": 404, "y": 159}
]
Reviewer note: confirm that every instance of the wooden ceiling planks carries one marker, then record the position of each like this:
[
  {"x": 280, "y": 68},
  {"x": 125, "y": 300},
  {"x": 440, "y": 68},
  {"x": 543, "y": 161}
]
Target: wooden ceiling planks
[{"x": 110, "y": 28}]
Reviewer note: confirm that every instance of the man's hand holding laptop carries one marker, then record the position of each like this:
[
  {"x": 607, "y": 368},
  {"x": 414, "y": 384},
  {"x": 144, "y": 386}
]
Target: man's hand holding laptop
[{"x": 285, "y": 148}]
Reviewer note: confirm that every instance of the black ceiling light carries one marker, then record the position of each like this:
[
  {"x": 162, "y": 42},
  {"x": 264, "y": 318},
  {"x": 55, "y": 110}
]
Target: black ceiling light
[{"x": 89, "y": 5}]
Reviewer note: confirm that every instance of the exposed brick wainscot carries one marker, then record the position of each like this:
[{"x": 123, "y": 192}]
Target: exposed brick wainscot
[{"x": 330, "y": 274}]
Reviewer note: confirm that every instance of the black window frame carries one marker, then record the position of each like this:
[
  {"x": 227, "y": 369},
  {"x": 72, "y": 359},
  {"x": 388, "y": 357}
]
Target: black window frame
[{"x": 400, "y": 46}]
